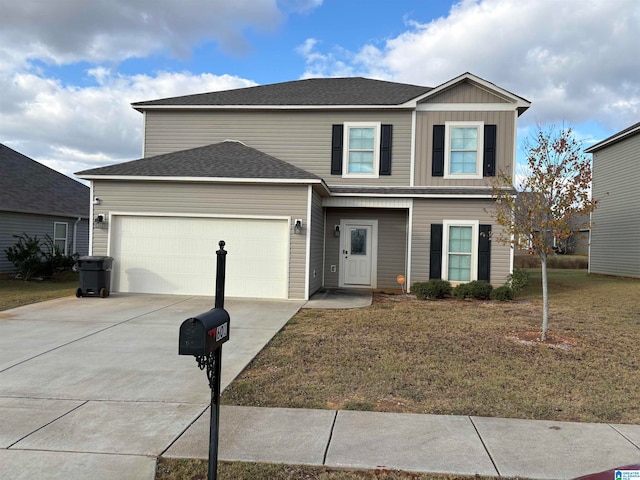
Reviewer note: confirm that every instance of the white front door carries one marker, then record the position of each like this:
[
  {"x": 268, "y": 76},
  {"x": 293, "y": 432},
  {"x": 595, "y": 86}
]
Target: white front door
[{"x": 357, "y": 252}]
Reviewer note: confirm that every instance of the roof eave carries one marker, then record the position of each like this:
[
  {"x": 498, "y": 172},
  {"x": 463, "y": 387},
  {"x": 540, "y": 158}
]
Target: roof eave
[
  {"x": 612, "y": 140},
  {"x": 402, "y": 106}
]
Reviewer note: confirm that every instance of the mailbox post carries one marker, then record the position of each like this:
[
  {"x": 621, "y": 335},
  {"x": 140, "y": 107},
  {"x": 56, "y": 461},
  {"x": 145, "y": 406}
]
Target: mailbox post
[{"x": 202, "y": 336}]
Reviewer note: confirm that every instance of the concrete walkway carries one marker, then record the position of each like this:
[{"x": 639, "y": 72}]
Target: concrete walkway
[{"x": 461, "y": 445}]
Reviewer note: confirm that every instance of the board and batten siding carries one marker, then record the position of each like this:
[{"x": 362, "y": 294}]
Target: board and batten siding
[
  {"x": 615, "y": 231},
  {"x": 465, "y": 92},
  {"x": 316, "y": 244},
  {"x": 14, "y": 223},
  {"x": 302, "y": 138},
  {"x": 505, "y": 136},
  {"x": 184, "y": 199},
  {"x": 392, "y": 243},
  {"x": 428, "y": 211}
]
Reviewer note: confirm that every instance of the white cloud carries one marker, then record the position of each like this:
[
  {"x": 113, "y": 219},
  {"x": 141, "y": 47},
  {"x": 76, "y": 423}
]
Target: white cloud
[
  {"x": 68, "y": 31},
  {"x": 574, "y": 60}
]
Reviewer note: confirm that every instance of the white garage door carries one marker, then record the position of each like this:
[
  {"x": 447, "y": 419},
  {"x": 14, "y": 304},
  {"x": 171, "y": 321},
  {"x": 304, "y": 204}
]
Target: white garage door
[{"x": 177, "y": 255}]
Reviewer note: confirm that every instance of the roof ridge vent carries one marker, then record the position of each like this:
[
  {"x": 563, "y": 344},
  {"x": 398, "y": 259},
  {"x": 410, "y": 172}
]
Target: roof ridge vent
[{"x": 234, "y": 141}]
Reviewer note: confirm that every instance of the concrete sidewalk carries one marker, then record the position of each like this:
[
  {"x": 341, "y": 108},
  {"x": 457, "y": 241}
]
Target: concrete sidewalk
[{"x": 461, "y": 445}]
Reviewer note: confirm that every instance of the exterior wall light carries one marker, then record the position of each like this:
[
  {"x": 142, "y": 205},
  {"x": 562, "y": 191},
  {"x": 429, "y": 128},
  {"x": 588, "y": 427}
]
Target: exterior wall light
[
  {"x": 336, "y": 230},
  {"x": 297, "y": 229}
]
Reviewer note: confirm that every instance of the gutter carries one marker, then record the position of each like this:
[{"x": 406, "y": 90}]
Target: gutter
[{"x": 75, "y": 235}]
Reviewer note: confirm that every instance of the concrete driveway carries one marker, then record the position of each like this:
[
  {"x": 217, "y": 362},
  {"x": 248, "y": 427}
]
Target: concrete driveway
[{"x": 95, "y": 388}]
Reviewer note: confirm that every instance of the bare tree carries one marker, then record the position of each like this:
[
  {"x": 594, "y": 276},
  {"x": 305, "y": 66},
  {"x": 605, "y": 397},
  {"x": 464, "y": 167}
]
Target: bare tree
[{"x": 539, "y": 210}]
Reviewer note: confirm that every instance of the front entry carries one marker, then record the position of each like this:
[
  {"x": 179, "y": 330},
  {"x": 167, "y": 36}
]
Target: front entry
[{"x": 358, "y": 253}]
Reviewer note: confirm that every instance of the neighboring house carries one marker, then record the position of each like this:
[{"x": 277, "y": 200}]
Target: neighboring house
[
  {"x": 37, "y": 200},
  {"x": 615, "y": 249},
  {"x": 328, "y": 182},
  {"x": 576, "y": 244}
]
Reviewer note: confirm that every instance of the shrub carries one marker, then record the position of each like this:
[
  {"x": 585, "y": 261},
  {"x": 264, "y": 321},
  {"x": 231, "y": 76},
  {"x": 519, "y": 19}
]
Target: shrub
[
  {"x": 461, "y": 291},
  {"x": 32, "y": 256},
  {"x": 502, "y": 294},
  {"x": 478, "y": 289},
  {"x": 518, "y": 280},
  {"x": 26, "y": 255},
  {"x": 432, "y": 289}
]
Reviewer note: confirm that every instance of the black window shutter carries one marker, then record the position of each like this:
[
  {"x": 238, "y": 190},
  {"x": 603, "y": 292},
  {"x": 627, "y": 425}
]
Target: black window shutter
[
  {"x": 336, "y": 149},
  {"x": 484, "y": 253},
  {"x": 489, "y": 168},
  {"x": 435, "y": 257},
  {"x": 385, "y": 149},
  {"x": 437, "y": 157}
]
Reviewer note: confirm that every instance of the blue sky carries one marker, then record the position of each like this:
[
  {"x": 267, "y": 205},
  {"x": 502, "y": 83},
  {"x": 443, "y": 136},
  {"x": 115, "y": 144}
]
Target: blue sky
[{"x": 69, "y": 69}]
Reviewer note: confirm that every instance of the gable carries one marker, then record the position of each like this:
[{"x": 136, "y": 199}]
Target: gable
[{"x": 465, "y": 92}]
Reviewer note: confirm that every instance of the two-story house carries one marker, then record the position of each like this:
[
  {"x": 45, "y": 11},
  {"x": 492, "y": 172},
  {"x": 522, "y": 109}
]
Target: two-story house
[{"x": 327, "y": 182}]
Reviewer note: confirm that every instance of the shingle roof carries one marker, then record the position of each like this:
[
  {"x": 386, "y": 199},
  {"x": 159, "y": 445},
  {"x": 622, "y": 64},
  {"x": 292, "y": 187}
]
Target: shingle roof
[
  {"x": 228, "y": 159},
  {"x": 313, "y": 91},
  {"x": 621, "y": 135},
  {"x": 27, "y": 186}
]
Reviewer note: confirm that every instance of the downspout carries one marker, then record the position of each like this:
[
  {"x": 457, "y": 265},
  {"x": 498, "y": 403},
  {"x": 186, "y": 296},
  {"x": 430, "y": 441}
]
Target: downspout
[{"x": 75, "y": 235}]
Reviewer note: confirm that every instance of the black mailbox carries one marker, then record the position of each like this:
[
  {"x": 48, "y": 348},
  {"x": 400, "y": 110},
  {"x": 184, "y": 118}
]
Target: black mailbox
[{"x": 204, "y": 333}]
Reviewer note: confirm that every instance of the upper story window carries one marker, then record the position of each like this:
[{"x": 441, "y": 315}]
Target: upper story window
[
  {"x": 463, "y": 149},
  {"x": 362, "y": 149},
  {"x": 60, "y": 236}
]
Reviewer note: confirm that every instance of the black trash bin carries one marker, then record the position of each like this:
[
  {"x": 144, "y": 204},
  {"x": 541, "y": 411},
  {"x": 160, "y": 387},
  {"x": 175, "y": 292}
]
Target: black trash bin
[{"x": 95, "y": 276}]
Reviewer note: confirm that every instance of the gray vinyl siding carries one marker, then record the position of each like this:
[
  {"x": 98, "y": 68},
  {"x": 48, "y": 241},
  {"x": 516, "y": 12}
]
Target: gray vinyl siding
[
  {"x": 316, "y": 266},
  {"x": 210, "y": 199},
  {"x": 465, "y": 93},
  {"x": 12, "y": 223},
  {"x": 506, "y": 124},
  {"x": 615, "y": 231},
  {"x": 428, "y": 211},
  {"x": 302, "y": 138},
  {"x": 392, "y": 243}
]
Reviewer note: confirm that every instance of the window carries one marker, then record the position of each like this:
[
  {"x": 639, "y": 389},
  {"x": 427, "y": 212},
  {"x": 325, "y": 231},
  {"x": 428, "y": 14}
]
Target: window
[
  {"x": 60, "y": 236},
  {"x": 463, "y": 149},
  {"x": 459, "y": 258},
  {"x": 362, "y": 149}
]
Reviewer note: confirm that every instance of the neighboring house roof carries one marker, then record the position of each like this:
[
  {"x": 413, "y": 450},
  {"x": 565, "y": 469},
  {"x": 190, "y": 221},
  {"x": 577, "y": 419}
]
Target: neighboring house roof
[
  {"x": 311, "y": 92},
  {"x": 226, "y": 160},
  {"x": 27, "y": 186},
  {"x": 621, "y": 135}
]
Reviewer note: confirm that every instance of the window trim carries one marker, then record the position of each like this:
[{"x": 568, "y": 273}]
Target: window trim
[
  {"x": 479, "y": 125},
  {"x": 376, "y": 149},
  {"x": 66, "y": 235},
  {"x": 475, "y": 228}
]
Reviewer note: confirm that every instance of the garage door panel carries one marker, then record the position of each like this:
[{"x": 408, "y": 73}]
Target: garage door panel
[{"x": 177, "y": 255}]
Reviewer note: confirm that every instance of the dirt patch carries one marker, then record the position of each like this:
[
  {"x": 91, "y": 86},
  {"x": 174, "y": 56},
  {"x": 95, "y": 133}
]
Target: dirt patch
[
  {"x": 554, "y": 340},
  {"x": 379, "y": 297}
]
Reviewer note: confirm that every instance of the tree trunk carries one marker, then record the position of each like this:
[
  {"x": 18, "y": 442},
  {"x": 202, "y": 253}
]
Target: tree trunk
[{"x": 545, "y": 299}]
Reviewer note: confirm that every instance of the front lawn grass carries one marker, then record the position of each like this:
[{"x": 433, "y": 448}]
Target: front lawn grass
[
  {"x": 16, "y": 293},
  {"x": 461, "y": 357},
  {"x": 183, "y": 469}
]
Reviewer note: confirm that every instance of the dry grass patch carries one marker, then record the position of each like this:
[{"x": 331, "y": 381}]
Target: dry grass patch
[
  {"x": 16, "y": 293},
  {"x": 462, "y": 357},
  {"x": 190, "y": 469}
]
